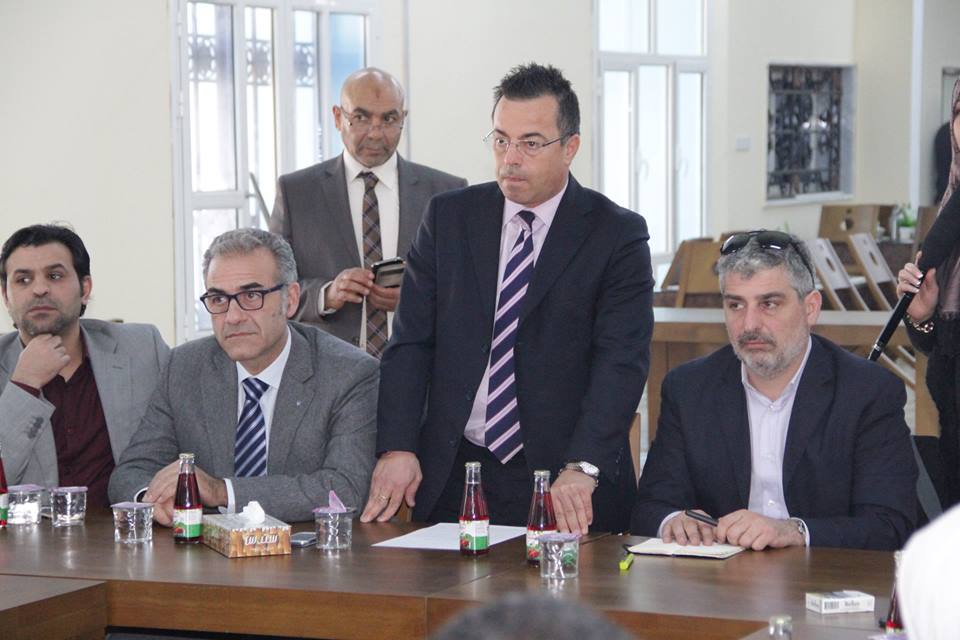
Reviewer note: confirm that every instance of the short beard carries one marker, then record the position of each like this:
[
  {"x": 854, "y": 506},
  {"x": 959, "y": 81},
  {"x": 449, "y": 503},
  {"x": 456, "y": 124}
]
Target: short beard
[
  {"x": 769, "y": 365},
  {"x": 55, "y": 327}
]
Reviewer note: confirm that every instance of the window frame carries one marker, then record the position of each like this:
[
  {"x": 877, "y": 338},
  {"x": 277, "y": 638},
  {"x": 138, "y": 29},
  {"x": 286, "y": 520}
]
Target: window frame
[
  {"x": 675, "y": 65},
  {"x": 185, "y": 200}
]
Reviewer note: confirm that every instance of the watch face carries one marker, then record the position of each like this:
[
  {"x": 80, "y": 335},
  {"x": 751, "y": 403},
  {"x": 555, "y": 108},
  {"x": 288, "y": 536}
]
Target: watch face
[{"x": 589, "y": 469}]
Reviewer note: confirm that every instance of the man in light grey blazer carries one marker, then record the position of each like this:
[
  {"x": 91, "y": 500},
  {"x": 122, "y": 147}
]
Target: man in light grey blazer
[
  {"x": 274, "y": 411},
  {"x": 345, "y": 214},
  {"x": 72, "y": 391}
]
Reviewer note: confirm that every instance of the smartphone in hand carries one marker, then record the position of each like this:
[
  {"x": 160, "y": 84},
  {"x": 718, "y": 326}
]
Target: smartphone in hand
[{"x": 388, "y": 273}]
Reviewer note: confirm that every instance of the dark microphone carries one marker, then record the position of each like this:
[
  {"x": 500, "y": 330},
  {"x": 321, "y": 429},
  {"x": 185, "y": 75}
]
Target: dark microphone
[{"x": 936, "y": 248}]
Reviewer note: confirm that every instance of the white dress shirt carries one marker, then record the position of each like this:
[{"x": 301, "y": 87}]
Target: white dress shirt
[
  {"x": 769, "y": 421},
  {"x": 512, "y": 226},
  {"x": 388, "y": 201},
  {"x": 272, "y": 376}
]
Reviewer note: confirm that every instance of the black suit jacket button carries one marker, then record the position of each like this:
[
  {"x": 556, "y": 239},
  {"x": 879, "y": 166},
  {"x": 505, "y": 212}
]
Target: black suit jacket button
[
  {"x": 484, "y": 348},
  {"x": 355, "y": 340}
]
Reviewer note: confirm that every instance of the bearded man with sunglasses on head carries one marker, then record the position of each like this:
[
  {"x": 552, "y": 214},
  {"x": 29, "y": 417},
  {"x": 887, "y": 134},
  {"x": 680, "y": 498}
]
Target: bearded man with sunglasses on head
[{"x": 784, "y": 437}]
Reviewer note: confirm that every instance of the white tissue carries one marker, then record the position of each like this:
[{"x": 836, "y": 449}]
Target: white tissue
[{"x": 253, "y": 513}]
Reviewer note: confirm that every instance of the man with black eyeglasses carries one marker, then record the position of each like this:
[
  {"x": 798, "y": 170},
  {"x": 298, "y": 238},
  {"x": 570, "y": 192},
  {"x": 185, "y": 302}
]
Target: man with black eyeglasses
[
  {"x": 274, "y": 411},
  {"x": 781, "y": 438},
  {"x": 346, "y": 214},
  {"x": 524, "y": 331}
]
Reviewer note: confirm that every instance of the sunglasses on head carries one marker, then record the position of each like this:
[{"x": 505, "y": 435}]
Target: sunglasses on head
[{"x": 768, "y": 241}]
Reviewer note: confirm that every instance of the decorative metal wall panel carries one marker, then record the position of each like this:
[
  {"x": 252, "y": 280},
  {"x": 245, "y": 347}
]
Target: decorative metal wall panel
[{"x": 804, "y": 130}]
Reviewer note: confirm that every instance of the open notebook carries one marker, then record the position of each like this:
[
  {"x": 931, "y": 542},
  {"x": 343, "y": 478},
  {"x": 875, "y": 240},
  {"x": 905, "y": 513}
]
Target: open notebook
[{"x": 657, "y": 547}]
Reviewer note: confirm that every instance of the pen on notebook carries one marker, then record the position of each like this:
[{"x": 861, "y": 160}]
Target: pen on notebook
[
  {"x": 701, "y": 517},
  {"x": 626, "y": 559}
]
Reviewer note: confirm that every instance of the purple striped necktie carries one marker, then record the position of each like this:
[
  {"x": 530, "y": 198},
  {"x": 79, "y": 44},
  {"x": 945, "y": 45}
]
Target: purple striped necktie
[
  {"x": 250, "y": 453},
  {"x": 502, "y": 428}
]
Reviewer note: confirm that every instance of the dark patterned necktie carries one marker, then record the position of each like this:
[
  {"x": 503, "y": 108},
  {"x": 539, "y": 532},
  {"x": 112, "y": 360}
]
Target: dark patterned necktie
[
  {"x": 502, "y": 429},
  {"x": 373, "y": 252},
  {"x": 250, "y": 453}
]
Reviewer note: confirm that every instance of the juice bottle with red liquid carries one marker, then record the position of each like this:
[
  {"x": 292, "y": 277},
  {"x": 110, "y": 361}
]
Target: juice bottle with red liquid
[
  {"x": 187, "y": 507},
  {"x": 541, "y": 519},
  {"x": 474, "y": 517},
  {"x": 4, "y": 497}
]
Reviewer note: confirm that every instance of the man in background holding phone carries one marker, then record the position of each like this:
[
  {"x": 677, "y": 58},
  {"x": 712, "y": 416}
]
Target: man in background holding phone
[{"x": 346, "y": 214}]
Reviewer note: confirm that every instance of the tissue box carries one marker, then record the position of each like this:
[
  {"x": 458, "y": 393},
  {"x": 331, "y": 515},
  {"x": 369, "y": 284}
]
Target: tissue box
[{"x": 234, "y": 537}]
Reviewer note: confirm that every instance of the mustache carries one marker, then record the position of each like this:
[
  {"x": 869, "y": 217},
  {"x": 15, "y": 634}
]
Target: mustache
[
  {"x": 508, "y": 171},
  {"x": 755, "y": 336},
  {"x": 43, "y": 302}
]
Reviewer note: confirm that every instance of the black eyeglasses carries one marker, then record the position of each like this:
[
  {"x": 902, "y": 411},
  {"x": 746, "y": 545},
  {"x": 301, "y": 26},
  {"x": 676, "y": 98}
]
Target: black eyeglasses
[
  {"x": 768, "y": 240},
  {"x": 248, "y": 300}
]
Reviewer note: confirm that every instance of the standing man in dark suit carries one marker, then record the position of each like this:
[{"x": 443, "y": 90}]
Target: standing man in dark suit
[
  {"x": 524, "y": 329},
  {"x": 785, "y": 437},
  {"x": 345, "y": 214}
]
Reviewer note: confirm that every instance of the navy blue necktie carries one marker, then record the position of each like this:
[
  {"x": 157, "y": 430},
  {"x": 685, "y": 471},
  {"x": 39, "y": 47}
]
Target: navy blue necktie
[
  {"x": 502, "y": 428},
  {"x": 250, "y": 453}
]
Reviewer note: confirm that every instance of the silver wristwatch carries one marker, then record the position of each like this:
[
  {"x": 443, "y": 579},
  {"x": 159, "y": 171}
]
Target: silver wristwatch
[
  {"x": 585, "y": 467},
  {"x": 801, "y": 528}
]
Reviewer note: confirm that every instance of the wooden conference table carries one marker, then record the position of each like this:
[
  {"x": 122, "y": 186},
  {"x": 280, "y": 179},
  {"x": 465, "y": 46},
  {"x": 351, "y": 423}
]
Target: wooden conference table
[
  {"x": 681, "y": 334},
  {"x": 370, "y": 592}
]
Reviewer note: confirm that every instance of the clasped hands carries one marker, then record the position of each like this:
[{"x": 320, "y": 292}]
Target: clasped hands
[
  {"x": 163, "y": 489},
  {"x": 742, "y": 528},
  {"x": 397, "y": 477}
]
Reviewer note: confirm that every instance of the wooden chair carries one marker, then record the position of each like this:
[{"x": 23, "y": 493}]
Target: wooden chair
[
  {"x": 672, "y": 279},
  {"x": 837, "y": 287},
  {"x": 842, "y": 294},
  {"x": 838, "y": 221},
  {"x": 699, "y": 285},
  {"x": 881, "y": 283}
]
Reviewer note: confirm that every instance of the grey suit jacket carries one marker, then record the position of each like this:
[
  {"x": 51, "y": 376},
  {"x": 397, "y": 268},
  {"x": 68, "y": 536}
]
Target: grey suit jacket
[
  {"x": 322, "y": 436},
  {"x": 312, "y": 211},
  {"x": 126, "y": 359}
]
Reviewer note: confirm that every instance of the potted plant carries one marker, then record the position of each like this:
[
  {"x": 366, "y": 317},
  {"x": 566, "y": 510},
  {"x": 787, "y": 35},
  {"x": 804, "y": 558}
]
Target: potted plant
[{"x": 906, "y": 222}]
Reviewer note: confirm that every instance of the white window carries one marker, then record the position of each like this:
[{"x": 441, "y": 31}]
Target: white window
[
  {"x": 650, "y": 155},
  {"x": 253, "y": 90}
]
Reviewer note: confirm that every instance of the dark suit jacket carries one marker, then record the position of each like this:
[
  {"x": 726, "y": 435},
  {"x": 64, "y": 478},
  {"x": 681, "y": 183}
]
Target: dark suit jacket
[
  {"x": 321, "y": 437},
  {"x": 848, "y": 469},
  {"x": 312, "y": 211},
  {"x": 582, "y": 349}
]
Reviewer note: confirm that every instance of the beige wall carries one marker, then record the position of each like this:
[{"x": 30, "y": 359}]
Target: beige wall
[
  {"x": 941, "y": 48},
  {"x": 85, "y": 131},
  {"x": 460, "y": 50},
  {"x": 882, "y": 42},
  {"x": 753, "y": 34}
]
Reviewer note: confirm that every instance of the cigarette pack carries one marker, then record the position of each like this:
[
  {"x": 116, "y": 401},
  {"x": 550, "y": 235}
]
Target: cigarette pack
[
  {"x": 840, "y": 601},
  {"x": 233, "y": 536}
]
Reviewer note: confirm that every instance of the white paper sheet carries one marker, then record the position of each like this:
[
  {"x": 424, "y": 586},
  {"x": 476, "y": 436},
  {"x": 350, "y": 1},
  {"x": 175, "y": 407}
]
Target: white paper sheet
[{"x": 446, "y": 536}]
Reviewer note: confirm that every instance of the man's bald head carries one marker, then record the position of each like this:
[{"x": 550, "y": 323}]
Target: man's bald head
[
  {"x": 372, "y": 79},
  {"x": 370, "y": 115}
]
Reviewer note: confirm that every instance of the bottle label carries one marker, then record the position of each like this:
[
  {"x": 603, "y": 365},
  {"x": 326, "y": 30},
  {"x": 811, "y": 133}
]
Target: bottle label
[
  {"x": 474, "y": 534},
  {"x": 4, "y": 503},
  {"x": 533, "y": 543},
  {"x": 186, "y": 523}
]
